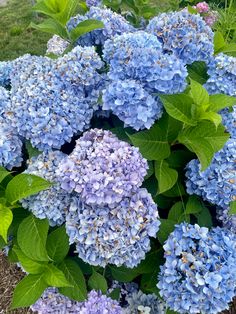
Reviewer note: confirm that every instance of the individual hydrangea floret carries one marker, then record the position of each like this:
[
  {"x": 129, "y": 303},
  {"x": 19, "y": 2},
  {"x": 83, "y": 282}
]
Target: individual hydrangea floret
[
  {"x": 222, "y": 75},
  {"x": 228, "y": 220},
  {"x": 5, "y": 70},
  {"x": 101, "y": 168},
  {"x": 139, "y": 56},
  {"x": 113, "y": 24},
  {"x": 10, "y": 146},
  {"x": 132, "y": 104},
  {"x": 52, "y": 302},
  {"x": 56, "y": 45},
  {"x": 54, "y": 202},
  {"x": 52, "y": 100},
  {"x": 184, "y": 34},
  {"x": 139, "y": 302},
  {"x": 217, "y": 184},
  {"x": 118, "y": 234},
  {"x": 100, "y": 304},
  {"x": 199, "y": 273}
]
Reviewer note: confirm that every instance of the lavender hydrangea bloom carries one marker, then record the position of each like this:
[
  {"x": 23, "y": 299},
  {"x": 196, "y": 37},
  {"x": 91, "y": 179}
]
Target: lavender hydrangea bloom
[
  {"x": 101, "y": 168},
  {"x": 54, "y": 202},
  {"x": 113, "y": 24},
  {"x": 184, "y": 34},
  {"x": 132, "y": 104},
  {"x": 52, "y": 302},
  {"x": 53, "y": 99},
  {"x": 199, "y": 273},
  {"x": 5, "y": 70},
  {"x": 228, "y": 221},
  {"x": 222, "y": 75},
  {"x": 217, "y": 184},
  {"x": 56, "y": 45},
  {"x": 118, "y": 234},
  {"x": 139, "y": 56}
]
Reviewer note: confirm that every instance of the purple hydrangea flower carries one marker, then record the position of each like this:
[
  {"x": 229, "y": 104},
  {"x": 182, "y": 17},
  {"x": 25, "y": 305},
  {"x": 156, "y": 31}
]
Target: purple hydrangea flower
[
  {"x": 54, "y": 202},
  {"x": 113, "y": 24},
  {"x": 202, "y": 7},
  {"x": 117, "y": 234},
  {"x": 217, "y": 184},
  {"x": 186, "y": 35},
  {"x": 199, "y": 273},
  {"x": 56, "y": 45},
  {"x": 101, "y": 168}
]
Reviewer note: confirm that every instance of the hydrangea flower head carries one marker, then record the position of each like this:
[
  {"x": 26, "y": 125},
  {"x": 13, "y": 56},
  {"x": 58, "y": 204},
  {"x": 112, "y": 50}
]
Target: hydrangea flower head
[
  {"x": 93, "y": 3},
  {"x": 56, "y": 45},
  {"x": 4, "y": 100},
  {"x": 202, "y": 7},
  {"x": 54, "y": 202},
  {"x": 5, "y": 70},
  {"x": 132, "y": 104},
  {"x": 199, "y": 273},
  {"x": 229, "y": 120},
  {"x": 217, "y": 184},
  {"x": 113, "y": 24},
  {"x": 101, "y": 168},
  {"x": 228, "y": 220},
  {"x": 117, "y": 234},
  {"x": 139, "y": 56},
  {"x": 184, "y": 34}
]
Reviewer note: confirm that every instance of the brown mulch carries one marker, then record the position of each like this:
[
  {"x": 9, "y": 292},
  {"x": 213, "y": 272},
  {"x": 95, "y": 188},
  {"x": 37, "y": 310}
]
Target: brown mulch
[{"x": 10, "y": 275}]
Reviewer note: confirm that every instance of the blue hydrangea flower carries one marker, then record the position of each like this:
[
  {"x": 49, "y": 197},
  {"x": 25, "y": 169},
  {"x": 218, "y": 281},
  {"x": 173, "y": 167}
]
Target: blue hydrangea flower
[
  {"x": 56, "y": 45},
  {"x": 186, "y": 35},
  {"x": 4, "y": 100},
  {"x": 54, "y": 202},
  {"x": 52, "y": 302},
  {"x": 102, "y": 169},
  {"x": 93, "y": 3},
  {"x": 117, "y": 234},
  {"x": 113, "y": 24},
  {"x": 229, "y": 120},
  {"x": 222, "y": 75},
  {"x": 199, "y": 273},
  {"x": 132, "y": 104},
  {"x": 52, "y": 100},
  {"x": 5, "y": 70},
  {"x": 139, "y": 56},
  {"x": 228, "y": 220},
  {"x": 217, "y": 184}
]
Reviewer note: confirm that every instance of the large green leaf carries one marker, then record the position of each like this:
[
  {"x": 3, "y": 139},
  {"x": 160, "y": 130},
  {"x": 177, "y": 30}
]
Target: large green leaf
[
  {"x": 28, "y": 291},
  {"x": 52, "y": 27},
  {"x": 204, "y": 218},
  {"x": 98, "y": 282},
  {"x": 24, "y": 185},
  {"x": 58, "y": 244},
  {"x": 176, "y": 212},
  {"x": 181, "y": 107},
  {"x": 55, "y": 277},
  {"x": 198, "y": 72},
  {"x": 166, "y": 176},
  {"x": 152, "y": 143},
  {"x": 205, "y": 140},
  {"x": 171, "y": 127},
  {"x": 166, "y": 227},
  {"x": 219, "y": 42},
  {"x": 32, "y": 236},
  {"x": 211, "y": 116},
  {"x": 199, "y": 94},
  {"x": 75, "y": 276},
  {"x": 3, "y": 174},
  {"x": 6, "y": 218},
  {"x": 220, "y": 101},
  {"x": 123, "y": 274},
  {"x": 85, "y": 27},
  {"x": 151, "y": 261},
  {"x": 194, "y": 205}
]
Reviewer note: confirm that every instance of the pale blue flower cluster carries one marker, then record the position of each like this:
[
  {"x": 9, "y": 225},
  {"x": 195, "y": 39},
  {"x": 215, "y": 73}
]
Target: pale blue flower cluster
[
  {"x": 5, "y": 70},
  {"x": 54, "y": 202},
  {"x": 186, "y": 35},
  {"x": 4, "y": 100},
  {"x": 52, "y": 100},
  {"x": 199, "y": 274},
  {"x": 56, "y": 45},
  {"x": 102, "y": 169},
  {"x": 113, "y": 24},
  {"x": 229, "y": 120},
  {"x": 228, "y": 221},
  {"x": 93, "y": 3},
  {"x": 139, "y": 68}
]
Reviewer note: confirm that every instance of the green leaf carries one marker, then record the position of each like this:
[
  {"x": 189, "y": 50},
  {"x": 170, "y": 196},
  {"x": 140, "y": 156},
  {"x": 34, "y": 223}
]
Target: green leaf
[
  {"x": 211, "y": 116},
  {"x": 28, "y": 291},
  {"x": 232, "y": 210},
  {"x": 69, "y": 10},
  {"x": 98, "y": 282},
  {"x": 123, "y": 274},
  {"x": 58, "y": 244},
  {"x": 199, "y": 94},
  {"x": 166, "y": 176},
  {"x": 152, "y": 260},
  {"x": 115, "y": 294},
  {"x": 192, "y": 10},
  {"x": 194, "y": 205},
  {"x": 85, "y": 27},
  {"x": 219, "y": 41},
  {"x": 176, "y": 212},
  {"x": 54, "y": 277},
  {"x": 2, "y": 243},
  {"x": 150, "y": 171},
  {"x": 171, "y": 127},
  {"x": 229, "y": 48},
  {"x": 24, "y": 185},
  {"x": 52, "y": 27},
  {"x": 3, "y": 174},
  {"x": 179, "y": 158},
  {"x": 152, "y": 143},
  {"x": 32, "y": 236},
  {"x": 32, "y": 151},
  {"x": 149, "y": 282},
  {"x": 176, "y": 191},
  {"x": 19, "y": 214},
  {"x": 198, "y": 72},
  {"x": 75, "y": 276},
  {"x": 205, "y": 140},
  {"x": 220, "y": 101},
  {"x": 204, "y": 218},
  {"x": 28, "y": 264},
  {"x": 6, "y": 218},
  {"x": 168, "y": 311},
  {"x": 166, "y": 227},
  {"x": 180, "y": 107}
]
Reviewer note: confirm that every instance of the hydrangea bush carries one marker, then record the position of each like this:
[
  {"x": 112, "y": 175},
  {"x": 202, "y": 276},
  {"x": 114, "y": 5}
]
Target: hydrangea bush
[{"x": 121, "y": 145}]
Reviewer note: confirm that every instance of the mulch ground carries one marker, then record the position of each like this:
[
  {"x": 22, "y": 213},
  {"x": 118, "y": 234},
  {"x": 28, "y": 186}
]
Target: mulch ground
[{"x": 10, "y": 275}]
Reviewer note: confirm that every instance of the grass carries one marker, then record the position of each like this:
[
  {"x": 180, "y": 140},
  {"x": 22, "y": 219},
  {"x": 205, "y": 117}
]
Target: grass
[{"x": 16, "y": 38}]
